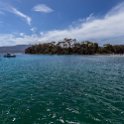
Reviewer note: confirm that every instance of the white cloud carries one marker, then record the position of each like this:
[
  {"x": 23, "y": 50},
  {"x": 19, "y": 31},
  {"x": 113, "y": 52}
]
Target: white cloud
[
  {"x": 117, "y": 9},
  {"x": 22, "y": 15},
  {"x": 14, "y": 39},
  {"x": 108, "y": 28},
  {"x": 21, "y": 34},
  {"x": 4, "y": 7},
  {"x": 33, "y": 29},
  {"x": 42, "y": 8}
]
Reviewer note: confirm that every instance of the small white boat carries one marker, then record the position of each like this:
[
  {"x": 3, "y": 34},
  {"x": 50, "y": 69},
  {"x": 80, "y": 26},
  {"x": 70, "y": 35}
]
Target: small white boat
[{"x": 8, "y": 55}]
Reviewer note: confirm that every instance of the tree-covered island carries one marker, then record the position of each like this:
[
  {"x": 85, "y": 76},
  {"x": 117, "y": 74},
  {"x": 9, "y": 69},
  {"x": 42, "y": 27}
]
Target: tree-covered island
[{"x": 71, "y": 46}]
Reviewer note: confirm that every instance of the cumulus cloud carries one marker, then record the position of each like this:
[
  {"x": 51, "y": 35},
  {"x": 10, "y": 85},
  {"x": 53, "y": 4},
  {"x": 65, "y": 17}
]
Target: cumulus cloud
[
  {"x": 109, "y": 28},
  {"x": 42, "y": 8},
  {"x": 18, "y": 39}
]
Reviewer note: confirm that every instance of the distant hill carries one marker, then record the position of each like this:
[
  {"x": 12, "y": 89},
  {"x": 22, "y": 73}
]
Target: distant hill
[{"x": 14, "y": 49}]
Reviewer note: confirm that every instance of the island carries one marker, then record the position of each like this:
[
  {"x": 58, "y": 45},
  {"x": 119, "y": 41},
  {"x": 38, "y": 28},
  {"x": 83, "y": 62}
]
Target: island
[{"x": 72, "y": 46}]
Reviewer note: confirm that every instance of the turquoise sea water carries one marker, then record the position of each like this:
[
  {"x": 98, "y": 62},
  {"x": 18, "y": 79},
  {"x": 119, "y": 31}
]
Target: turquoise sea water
[{"x": 43, "y": 89}]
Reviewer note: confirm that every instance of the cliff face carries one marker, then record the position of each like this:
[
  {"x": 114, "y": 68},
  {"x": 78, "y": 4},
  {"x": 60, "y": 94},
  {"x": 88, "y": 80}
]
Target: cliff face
[{"x": 14, "y": 49}]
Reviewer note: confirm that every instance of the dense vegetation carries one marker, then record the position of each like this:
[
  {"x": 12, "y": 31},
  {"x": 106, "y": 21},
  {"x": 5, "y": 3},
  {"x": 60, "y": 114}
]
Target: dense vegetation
[{"x": 71, "y": 46}]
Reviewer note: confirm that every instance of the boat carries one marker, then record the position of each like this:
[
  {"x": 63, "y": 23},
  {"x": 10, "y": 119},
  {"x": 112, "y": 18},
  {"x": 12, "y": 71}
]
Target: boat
[{"x": 8, "y": 55}]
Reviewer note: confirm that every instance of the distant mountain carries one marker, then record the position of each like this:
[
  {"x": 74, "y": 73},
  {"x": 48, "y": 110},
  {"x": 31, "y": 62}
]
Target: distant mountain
[{"x": 14, "y": 49}]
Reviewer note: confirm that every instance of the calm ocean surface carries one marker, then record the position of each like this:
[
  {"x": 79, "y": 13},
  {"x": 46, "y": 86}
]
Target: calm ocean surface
[{"x": 43, "y": 89}]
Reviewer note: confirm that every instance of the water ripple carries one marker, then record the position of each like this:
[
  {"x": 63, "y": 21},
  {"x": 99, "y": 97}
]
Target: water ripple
[{"x": 62, "y": 89}]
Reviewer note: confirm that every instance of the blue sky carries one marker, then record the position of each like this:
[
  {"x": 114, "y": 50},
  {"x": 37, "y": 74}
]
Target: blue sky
[{"x": 37, "y": 21}]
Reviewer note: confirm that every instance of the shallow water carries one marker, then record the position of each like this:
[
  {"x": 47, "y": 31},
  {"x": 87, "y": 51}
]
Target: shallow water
[{"x": 43, "y": 89}]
